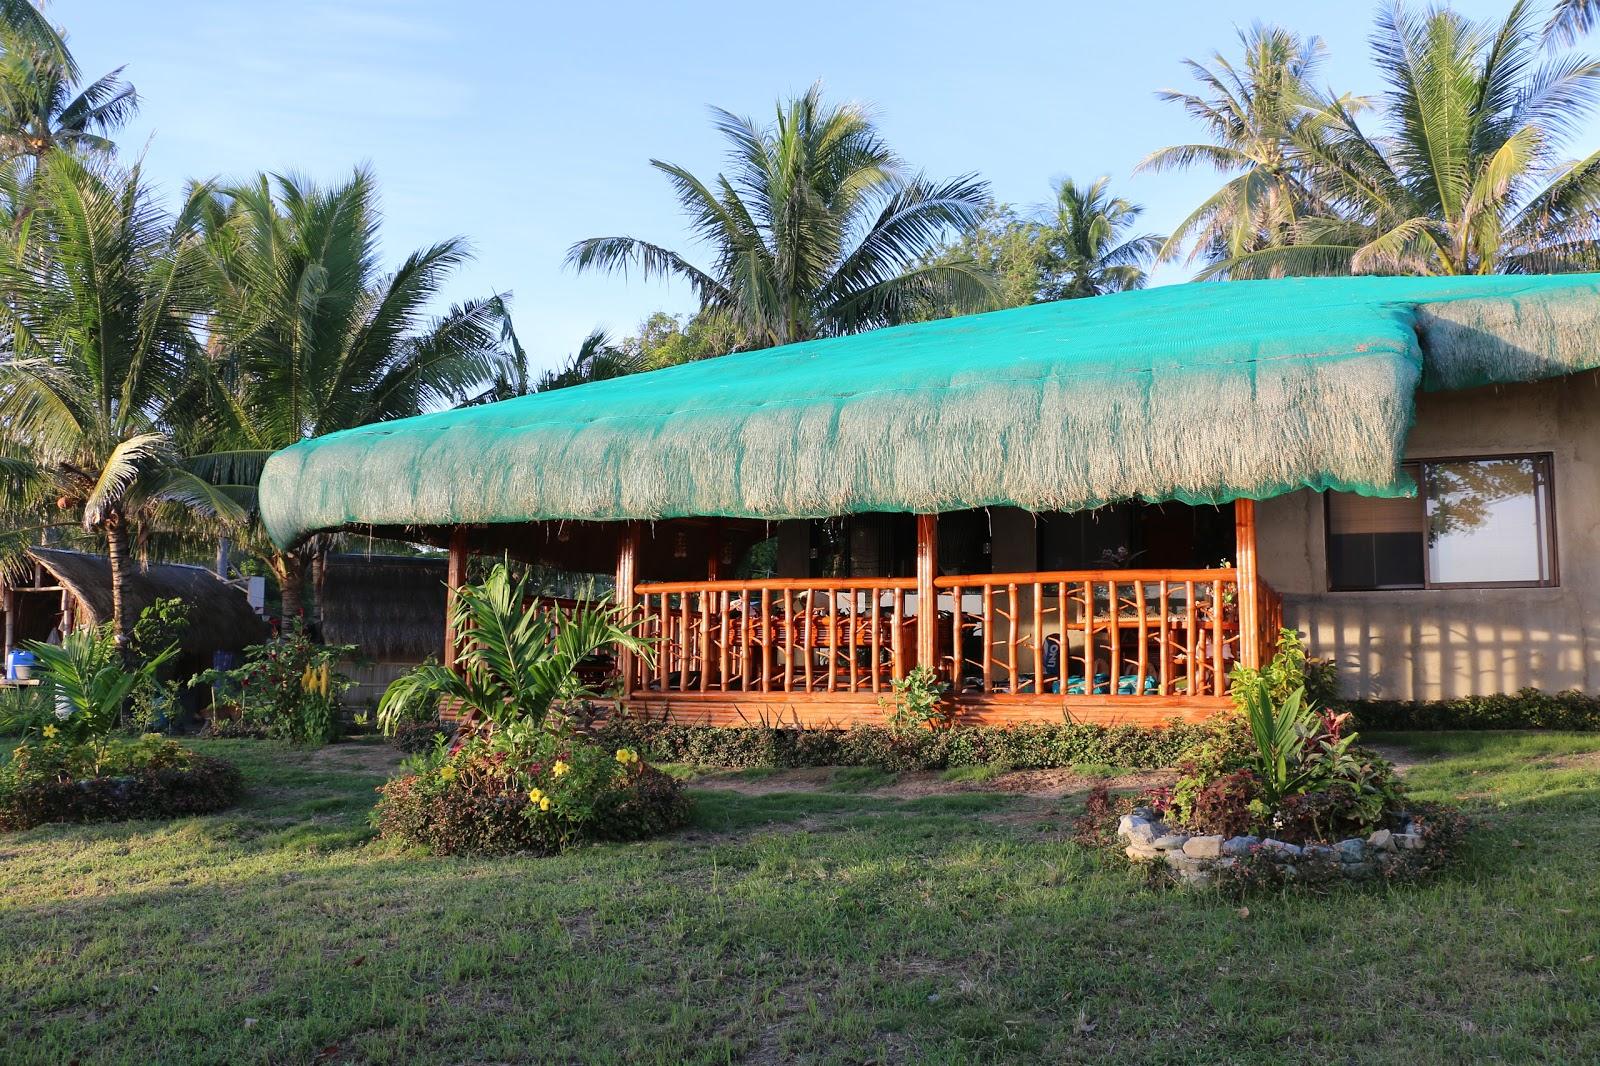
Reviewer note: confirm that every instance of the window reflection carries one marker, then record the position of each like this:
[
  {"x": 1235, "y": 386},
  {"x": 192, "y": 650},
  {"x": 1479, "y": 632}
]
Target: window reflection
[{"x": 1488, "y": 521}]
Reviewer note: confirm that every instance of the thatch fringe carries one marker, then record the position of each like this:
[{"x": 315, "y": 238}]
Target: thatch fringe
[{"x": 1199, "y": 393}]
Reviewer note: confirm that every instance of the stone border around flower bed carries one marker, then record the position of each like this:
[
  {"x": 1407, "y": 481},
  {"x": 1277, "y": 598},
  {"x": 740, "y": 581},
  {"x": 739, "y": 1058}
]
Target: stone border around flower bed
[{"x": 1197, "y": 860}]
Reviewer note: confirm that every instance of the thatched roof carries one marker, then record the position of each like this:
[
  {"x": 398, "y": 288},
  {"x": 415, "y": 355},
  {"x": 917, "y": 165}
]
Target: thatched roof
[
  {"x": 1201, "y": 393},
  {"x": 390, "y": 607},
  {"x": 220, "y": 618}
]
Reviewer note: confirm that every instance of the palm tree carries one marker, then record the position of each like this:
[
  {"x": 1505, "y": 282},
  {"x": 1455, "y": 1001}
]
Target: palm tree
[
  {"x": 1469, "y": 177},
  {"x": 597, "y": 359},
  {"x": 816, "y": 229},
  {"x": 1250, "y": 110},
  {"x": 1571, "y": 19},
  {"x": 1084, "y": 251},
  {"x": 101, "y": 299},
  {"x": 308, "y": 337},
  {"x": 42, "y": 107}
]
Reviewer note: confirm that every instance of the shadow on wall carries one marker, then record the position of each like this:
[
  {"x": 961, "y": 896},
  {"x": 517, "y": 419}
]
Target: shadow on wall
[{"x": 1446, "y": 644}]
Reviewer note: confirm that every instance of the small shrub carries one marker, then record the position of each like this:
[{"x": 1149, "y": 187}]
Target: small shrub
[
  {"x": 1226, "y": 805},
  {"x": 535, "y": 790},
  {"x": 1527, "y": 709},
  {"x": 110, "y": 779},
  {"x": 1289, "y": 669},
  {"x": 917, "y": 701},
  {"x": 288, "y": 688},
  {"x": 1031, "y": 747},
  {"x": 1096, "y": 826}
]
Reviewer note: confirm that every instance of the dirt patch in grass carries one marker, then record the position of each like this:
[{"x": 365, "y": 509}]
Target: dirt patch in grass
[
  {"x": 804, "y": 779},
  {"x": 366, "y": 756},
  {"x": 1047, "y": 784}
]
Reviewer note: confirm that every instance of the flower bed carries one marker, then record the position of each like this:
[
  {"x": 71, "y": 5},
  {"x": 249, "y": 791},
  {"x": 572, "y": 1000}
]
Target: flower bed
[
  {"x": 109, "y": 779},
  {"x": 1416, "y": 842},
  {"x": 538, "y": 793}
]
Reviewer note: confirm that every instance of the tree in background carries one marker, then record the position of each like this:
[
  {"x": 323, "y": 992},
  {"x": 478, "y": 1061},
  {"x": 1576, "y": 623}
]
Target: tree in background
[
  {"x": 1086, "y": 249},
  {"x": 308, "y": 336},
  {"x": 100, "y": 294},
  {"x": 1466, "y": 175},
  {"x": 817, "y": 229},
  {"x": 1251, "y": 111},
  {"x": 42, "y": 106}
]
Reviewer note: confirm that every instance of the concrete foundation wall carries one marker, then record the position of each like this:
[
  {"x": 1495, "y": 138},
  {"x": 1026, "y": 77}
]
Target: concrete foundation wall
[{"x": 1445, "y": 643}]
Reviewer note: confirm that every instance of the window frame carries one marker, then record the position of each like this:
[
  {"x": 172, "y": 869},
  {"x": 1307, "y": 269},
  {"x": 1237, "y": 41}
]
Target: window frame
[{"x": 1552, "y": 540}]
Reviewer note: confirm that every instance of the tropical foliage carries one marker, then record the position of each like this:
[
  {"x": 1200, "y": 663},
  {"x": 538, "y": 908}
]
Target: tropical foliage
[
  {"x": 87, "y": 682},
  {"x": 101, "y": 292},
  {"x": 1458, "y": 168},
  {"x": 286, "y": 689},
  {"x": 520, "y": 656},
  {"x": 43, "y": 107},
  {"x": 308, "y": 335},
  {"x": 1086, "y": 245},
  {"x": 816, "y": 229}
]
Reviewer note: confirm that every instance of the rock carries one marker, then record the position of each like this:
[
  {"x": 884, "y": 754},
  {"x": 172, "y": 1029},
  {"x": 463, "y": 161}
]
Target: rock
[
  {"x": 1144, "y": 812},
  {"x": 1208, "y": 847},
  {"x": 1408, "y": 841},
  {"x": 1281, "y": 850},
  {"x": 1142, "y": 833},
  {"x": 1184, "y": 864},
  {"x": 1170, "y": 842},
  {"x": 1357, "y": 870},
  {"x": 1291, "y": 871},
  {"x": 1126, "y": 823},
  {"x": 1319, "y": 853},
  {"x": 1239, "y": 847},
  {"x": 1352, "y": 850},
  {"x": 1136, "y": 853},
  {"x": 1383, "y": 840}
]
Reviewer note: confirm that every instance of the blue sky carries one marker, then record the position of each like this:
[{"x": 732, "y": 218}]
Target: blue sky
[{"x": 527, "y": 126}]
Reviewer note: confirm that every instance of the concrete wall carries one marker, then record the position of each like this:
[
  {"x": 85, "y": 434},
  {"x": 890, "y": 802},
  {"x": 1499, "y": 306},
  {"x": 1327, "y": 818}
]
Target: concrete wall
[{"x": 1444, "y": 643}]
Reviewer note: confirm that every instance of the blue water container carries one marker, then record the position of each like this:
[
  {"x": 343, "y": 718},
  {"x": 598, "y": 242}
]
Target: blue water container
[{"x": 19, "y": 665}]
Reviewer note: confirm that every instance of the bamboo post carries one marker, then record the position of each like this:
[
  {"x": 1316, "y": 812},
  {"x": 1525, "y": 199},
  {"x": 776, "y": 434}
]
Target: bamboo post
[
  {"x": 627, "y": 578},
  {"x": 1251, "y": 638},
  {"x": 455, "y": 577},
  {"x": 928, "y": 597}
]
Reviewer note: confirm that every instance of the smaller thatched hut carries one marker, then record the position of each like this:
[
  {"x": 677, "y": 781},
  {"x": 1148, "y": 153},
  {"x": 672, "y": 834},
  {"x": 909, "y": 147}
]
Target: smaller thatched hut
[
  {"x": 391, "y": 607},
  {"x": 72, "y": 589}
]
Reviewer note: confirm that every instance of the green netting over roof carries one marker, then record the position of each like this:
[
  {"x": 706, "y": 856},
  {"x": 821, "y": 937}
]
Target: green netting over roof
[{"x": 1198, "y": 392}]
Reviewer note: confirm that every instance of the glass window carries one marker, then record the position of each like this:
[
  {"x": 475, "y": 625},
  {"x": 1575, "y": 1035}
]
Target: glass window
[
  {"x": 1489, "y": 521},
  {"x": 1375, "y": 543},
  {"x": 1473, "y": 522}
]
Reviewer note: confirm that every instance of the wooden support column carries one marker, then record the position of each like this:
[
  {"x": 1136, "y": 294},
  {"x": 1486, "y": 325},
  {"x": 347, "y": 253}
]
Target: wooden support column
[
  {"x": 1251, "y": 638},
  {"x": 455, "y": 577},
  {"x": 927, "y": 595},
  {"x": 11, "y": 619},
  {"x": 627, "y": 578}
]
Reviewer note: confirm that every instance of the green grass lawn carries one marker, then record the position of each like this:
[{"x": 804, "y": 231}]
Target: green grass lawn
[{"x": 839, "y": 924}]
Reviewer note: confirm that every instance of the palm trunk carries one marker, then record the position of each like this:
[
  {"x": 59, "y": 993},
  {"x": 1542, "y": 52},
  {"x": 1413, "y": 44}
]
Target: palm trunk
[
  {"x": 319, "y": 571},
  {"x": 121, "y": 570},
  {"x": 290, "y": 568}
]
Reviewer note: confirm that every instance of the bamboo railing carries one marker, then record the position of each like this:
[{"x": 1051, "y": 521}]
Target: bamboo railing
[{"x": 1049, "y": 635}]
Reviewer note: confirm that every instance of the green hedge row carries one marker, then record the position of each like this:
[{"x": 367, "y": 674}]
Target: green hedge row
[
  {"x": 1018, "y": 748},
  {"x": 1528, "y": 709}
]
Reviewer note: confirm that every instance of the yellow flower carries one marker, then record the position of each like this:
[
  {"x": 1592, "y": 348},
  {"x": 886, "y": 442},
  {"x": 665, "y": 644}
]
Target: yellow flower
[
  {"x": 627, "y": 756},
  {"x": 544, "y": 803},
  {"x": 534, "y": 795},
  {"x": 559, "y": 769},
  {"x": 447, "y": 772},
  {"x": 50, "y": 730}
]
